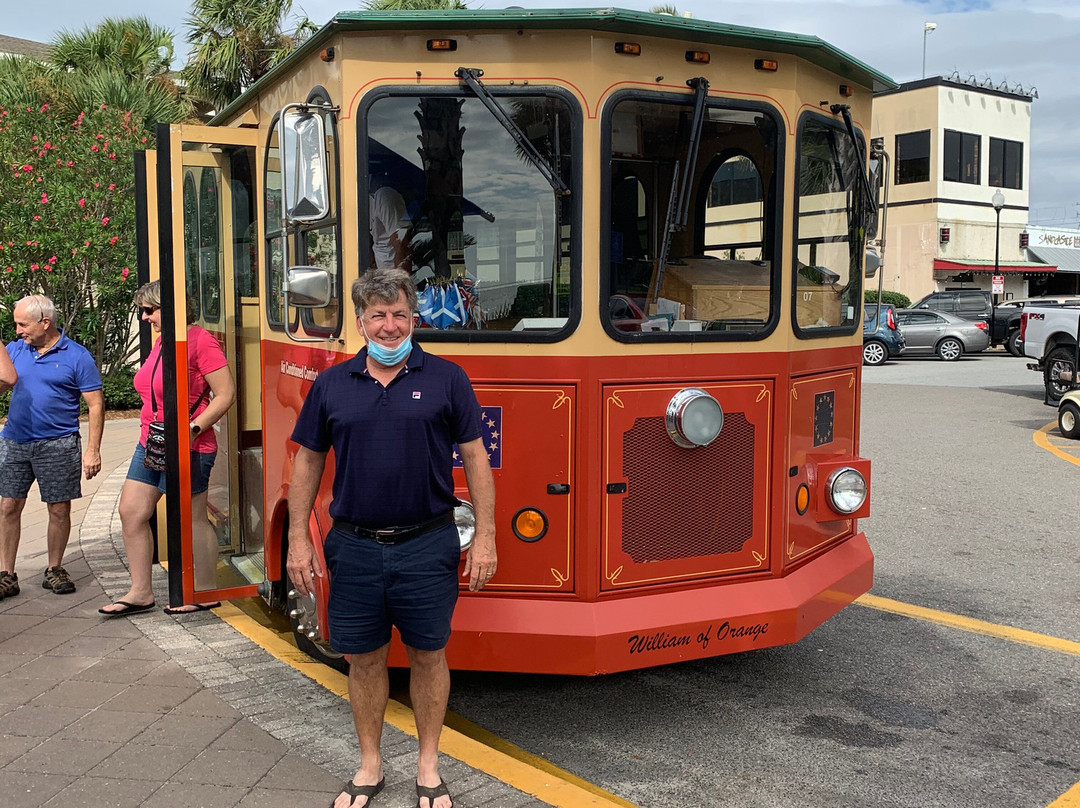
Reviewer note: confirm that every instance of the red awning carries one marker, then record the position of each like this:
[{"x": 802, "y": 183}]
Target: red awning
[{"x": 940, "y": 264}]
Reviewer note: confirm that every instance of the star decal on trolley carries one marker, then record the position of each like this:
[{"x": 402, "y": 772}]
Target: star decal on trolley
[
  {"x": 491, "y": 425},
  {"x": 824, "y": 414}
]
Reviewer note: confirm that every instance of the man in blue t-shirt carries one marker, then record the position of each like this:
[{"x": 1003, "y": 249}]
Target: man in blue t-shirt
[
  {"x": 392, "y": 415},
  {"x": 41, "y": 439}
]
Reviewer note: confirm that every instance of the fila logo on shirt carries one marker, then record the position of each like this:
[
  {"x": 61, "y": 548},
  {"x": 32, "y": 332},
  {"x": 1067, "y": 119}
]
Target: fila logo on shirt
[{"x": 416, "y": 394}]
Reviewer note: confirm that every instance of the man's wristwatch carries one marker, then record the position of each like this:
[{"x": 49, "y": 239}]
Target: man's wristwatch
[{"x": 195, "y": 428}]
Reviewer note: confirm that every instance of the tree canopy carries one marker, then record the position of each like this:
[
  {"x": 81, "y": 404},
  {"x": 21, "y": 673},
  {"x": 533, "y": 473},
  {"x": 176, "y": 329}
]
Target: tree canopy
[{"x": 236, "y": 42}]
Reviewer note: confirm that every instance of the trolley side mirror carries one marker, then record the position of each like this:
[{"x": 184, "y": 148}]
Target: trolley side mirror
[
  {"x": 307, "y": 287},
  {"x": 303, "y": 164},
  {"x": 873, "y": 261}
]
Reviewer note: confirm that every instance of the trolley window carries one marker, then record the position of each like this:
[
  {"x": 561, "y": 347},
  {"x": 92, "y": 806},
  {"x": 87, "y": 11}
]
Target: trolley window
[
  {"x": 276, "y": 253},
  {"x": 209, "y": 246},
  {"x": 719, "y": 279},
  {"x": 453, "y": 195},
  {"x": 191, "y": 245},
  {"x": 829, "y": 229}
]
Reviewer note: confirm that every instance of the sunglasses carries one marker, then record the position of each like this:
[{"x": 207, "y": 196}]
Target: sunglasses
[{"x": 148, "y": 310}]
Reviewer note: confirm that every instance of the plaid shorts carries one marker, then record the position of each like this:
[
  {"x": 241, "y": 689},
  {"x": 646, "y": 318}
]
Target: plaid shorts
[{"x": 56, "y": 464}]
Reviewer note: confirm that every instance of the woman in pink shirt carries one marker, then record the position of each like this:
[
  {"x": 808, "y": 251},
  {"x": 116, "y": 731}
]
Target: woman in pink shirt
[{"x": 211, "y": 391}]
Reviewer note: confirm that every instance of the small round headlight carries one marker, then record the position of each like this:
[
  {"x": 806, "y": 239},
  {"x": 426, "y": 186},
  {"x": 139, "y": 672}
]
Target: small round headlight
[
  {"x": 846, "y": 489},
  {"x": 465, "y": 521},
  {"x": 693, "y": 418}
]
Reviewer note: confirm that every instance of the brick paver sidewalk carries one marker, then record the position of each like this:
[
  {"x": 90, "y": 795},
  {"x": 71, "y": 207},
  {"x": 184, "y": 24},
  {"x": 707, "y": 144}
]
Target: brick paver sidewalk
[{"x": 156, "y": 711}]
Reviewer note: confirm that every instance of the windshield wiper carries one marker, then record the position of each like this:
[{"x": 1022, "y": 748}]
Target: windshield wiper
[
  {"x": 471, "y": 77},
  {"x": 845, "y": 112},
  {"x": 679, "y": 207}
]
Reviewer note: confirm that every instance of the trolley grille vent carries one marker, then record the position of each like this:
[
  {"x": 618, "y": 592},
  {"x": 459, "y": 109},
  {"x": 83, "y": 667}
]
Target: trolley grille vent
[{"x": 687, "y": 503}]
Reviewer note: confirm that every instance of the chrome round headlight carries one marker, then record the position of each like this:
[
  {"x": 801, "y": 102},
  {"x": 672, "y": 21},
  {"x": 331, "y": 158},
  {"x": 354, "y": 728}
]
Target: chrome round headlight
[
  {"x": 846, "y": 489},
  {"x": 465, "y": 521},
  {"x": 693, "y": 418}
]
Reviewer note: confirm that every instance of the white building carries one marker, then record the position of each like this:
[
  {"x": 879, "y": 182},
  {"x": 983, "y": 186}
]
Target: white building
[{"x": 954, "y": 144}]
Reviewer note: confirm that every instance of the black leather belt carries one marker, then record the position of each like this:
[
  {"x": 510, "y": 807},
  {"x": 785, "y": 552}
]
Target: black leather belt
[{"x": 393, "y": 535}]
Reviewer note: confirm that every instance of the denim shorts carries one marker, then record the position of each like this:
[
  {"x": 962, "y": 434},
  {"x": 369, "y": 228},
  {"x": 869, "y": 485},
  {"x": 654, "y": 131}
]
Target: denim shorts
[
  {"x": 201, "y": 466},
  {"x": 412, "y": 585},
  {"x": 55, "y": 463}
]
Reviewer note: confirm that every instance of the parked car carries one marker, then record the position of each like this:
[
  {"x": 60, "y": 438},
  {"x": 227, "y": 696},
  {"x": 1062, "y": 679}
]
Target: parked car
[
  {"x": 969, "y": 304},
  {"x": 949, "y": 336},
  {"x": 881, "y": 338}
]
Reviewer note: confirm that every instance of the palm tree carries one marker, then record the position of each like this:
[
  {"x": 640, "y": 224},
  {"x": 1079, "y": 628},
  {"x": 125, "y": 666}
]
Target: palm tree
[
  {"x": 121, "y": 63},
  {"x": 236, "y": 43},
  {"x": 134, "y": 48}
]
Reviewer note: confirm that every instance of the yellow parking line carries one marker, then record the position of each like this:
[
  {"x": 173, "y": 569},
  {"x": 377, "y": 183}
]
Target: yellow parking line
[
  {"x": 486, "y": 752},
  {"x": 1043, "y": 440},
  {"x": 1009, "y": 633},
  {"x": 1070, "y": 799}
]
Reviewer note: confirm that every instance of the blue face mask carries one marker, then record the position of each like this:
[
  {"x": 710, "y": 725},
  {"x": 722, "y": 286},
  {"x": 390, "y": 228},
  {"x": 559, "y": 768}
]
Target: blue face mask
[{"x": 388, "y": 357}]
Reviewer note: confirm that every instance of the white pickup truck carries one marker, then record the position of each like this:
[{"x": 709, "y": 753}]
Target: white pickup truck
[{"x": 1049, "y": 334}]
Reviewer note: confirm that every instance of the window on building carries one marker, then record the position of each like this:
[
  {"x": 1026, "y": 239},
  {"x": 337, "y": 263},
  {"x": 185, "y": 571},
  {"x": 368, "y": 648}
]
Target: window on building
[
  {"x": 913, "y": 157},
  {"x": 1006, "y": 163},
  {"x": 961, "y": 157}
]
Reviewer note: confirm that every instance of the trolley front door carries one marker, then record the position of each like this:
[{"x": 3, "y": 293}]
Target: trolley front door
[{"x": 207, "y": 230}]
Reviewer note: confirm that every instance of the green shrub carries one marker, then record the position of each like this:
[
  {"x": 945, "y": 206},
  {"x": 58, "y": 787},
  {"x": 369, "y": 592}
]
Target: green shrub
[
  {"x": 119, "y": 392},
  {"x": 892, "y": 298}
]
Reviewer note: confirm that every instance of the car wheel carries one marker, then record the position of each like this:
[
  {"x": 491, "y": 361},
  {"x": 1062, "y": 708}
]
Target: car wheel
[
  {"x": 1069, "y": 419},
  {"x": 1012, "y": 342},
  {"x": 950, "y": 349},
  {"x": 874, "y": 352},
  {"x": 1057, "y": 360}
]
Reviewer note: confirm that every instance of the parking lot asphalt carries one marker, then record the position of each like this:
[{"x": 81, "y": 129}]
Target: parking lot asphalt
[{"x": 973, "y": 523}]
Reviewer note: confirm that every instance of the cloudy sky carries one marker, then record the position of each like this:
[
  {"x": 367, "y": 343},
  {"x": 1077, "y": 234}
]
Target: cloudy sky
[{"x": 1033, "y": 43}]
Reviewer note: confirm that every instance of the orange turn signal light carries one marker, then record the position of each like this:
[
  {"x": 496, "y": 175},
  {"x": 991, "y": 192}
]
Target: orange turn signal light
[
  {"x": 701, "y": 57},
  {"x": 442, "y": 44},
  {"x": 766, "y": 64},
  {"x": 628, "y": 48},
  {"x": 846, "y": 90},
  {"x": 802, "y": 499},
  {"x": 530, "y": 524}
]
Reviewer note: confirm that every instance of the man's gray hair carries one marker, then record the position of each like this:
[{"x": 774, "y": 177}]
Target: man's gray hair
[
  {"x": 39, "y": 307},
  {"x": 383, "y": 286}
]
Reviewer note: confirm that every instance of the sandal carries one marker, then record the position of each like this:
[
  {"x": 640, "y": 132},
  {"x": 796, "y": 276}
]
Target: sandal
[
  {"x": 354, "y": 791},
  {"x": 432, "y": 793},
  {"x": 129, "y": 608}
]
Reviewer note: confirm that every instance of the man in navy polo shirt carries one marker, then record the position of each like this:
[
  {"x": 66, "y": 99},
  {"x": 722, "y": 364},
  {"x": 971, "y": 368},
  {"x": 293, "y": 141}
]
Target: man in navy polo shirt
[
  {"x": 392, "y": 415},
  {"x": 41, "y": 439}
]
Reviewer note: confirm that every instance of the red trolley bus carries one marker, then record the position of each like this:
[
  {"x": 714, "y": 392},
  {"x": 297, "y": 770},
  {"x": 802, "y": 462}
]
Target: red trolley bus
[{"x": 643, "y": 238}]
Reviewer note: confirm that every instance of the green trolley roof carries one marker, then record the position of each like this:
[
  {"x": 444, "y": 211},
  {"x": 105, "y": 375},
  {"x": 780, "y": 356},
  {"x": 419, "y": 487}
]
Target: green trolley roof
[{"x": 621, "y": 21}]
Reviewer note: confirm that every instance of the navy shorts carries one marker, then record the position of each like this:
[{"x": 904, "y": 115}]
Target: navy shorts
[
  {"x": 412, "y": 585},
  {"x": 56, "y": 464},
  {"x": 202, "y": 463}
]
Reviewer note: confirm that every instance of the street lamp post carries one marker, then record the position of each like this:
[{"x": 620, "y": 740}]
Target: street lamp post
[
  {"x": 927, "y": 29},
  {"x": 998, "y": 201}
]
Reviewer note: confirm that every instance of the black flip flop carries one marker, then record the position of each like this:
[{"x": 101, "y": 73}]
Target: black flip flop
[
  {"x": 432, "y": 793},
  {"x": 129, "y": 608},
  {"x": 354, "y": 791},
  {"x": 195, "y": 607}
]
